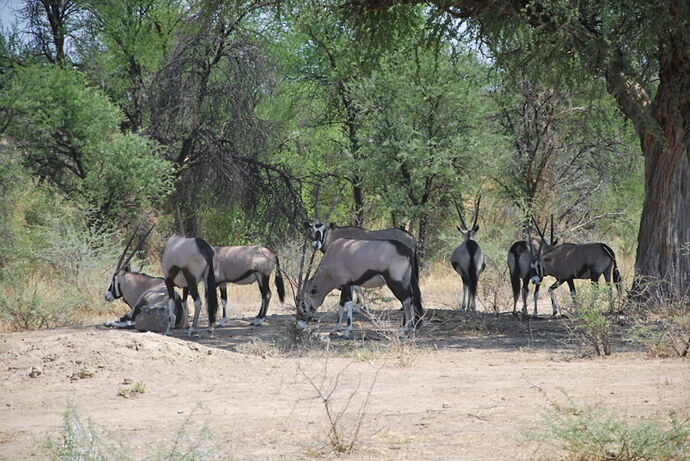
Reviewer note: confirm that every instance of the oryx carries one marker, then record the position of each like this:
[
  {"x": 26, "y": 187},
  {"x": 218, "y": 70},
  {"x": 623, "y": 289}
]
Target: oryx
[
  {"x": 351, "y": 262},
  {"x": 569, "y": 261},
  {"x": 524, "y": 266},
  {"x": 323, "y": 234},
  {"x": 185, "y": 263},
  {"x": 138, "y": 290},
  {"x": 244, "y": 265},
  {"x": 468, "y": 260}
]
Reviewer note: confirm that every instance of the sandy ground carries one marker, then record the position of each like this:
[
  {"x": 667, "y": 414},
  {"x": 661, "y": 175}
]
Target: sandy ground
[{"x": 465, "y": 389}]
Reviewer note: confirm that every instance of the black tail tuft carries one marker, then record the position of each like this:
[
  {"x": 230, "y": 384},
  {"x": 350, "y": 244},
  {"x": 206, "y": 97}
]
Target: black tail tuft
[
  {"x": 616, "y": 273},
  {"x": 211, "y": 284},
  {"x": 280, "y": 286},
  {"x": 472, "y": 275}
]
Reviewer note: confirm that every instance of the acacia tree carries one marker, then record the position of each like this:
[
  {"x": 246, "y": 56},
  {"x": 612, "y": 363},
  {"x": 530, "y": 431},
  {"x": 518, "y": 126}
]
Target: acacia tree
[
  {"x": 563, "y": 152},
  {"x": 420, "y": 119},
  {"x": 641, "y": 53}
]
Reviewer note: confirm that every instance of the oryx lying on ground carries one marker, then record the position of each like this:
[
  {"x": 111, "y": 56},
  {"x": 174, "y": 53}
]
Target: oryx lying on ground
[
  {"x": 244, "y": 265},
  {"x": 351, "y": 262},
  {"x": 323, "y": 234},
  {"x": 570, "y": 261},
  {"x": 186, "y": 262},
  {"x": 524, "y": 266},
  {"x": 468, "y": 260},
  {"x": 137, "y": 290}
]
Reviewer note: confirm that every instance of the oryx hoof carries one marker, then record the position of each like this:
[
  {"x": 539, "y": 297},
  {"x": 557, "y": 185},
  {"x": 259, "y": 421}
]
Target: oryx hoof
[
  {"x": 333, "y": 333},
  {"x": 257, "y": 322},
  {"x": 192, "y": 332},
  {"x": 222, "y": 322}
]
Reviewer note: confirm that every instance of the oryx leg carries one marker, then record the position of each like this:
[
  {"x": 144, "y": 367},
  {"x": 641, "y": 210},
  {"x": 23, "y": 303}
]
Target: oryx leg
[
  {"x": 515, "y": 284},
  {"x": 554, "y": 303},
  {"x": 223, "y": 288},
  {"x": 264, "y": 288},
  {"x": 573, "y": 292},
  {"x": 170, "y": 286},
  {"x": 344, "y": 304},
  {"x": 465, "y": 291},
  {"x": 194, "y": 291},
  {"x": 536, "y": 298},
  {"x": 403, "y": 291},
  {"x": 525, "y": 294}
]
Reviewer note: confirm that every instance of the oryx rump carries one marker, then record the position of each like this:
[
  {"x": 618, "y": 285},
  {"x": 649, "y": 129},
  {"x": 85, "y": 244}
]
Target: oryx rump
[
  {"x": 244, "y": 265},
  {"x": 468, "y": 260},
  {"x": 351, "y": 262},
  {"x": 185, "y": 263}
]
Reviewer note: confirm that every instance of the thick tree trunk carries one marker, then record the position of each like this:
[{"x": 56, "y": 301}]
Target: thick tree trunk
[{"x": 663, "y": 251}]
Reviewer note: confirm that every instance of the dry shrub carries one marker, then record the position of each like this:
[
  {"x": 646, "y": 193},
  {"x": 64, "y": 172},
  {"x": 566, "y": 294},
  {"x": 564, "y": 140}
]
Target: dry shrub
[{"x": 662, "y": 327}]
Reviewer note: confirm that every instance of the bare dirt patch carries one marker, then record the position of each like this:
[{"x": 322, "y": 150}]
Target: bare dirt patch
[{"x": 466, "y": 388}]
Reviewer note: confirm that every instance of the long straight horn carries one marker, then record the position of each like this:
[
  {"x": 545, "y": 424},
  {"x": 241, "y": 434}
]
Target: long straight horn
[
  {"x": 124, "y": 252},
  {"x": 476, "y": 212},
  {"x": 141, "y": 242},
  {"x": 541, "y": 234},
  {"x": 458, "y": 208},
  {"x": 551, "y": 241}
]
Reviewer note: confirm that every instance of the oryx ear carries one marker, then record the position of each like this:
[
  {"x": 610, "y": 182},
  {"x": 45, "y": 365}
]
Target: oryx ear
[
  {"x": 307, "y": 225},
  {"x": 127, "y": 268},
  {"x": 475, "y": 229},
  {"x": 458, "y": 228},
  {"x": 555, "y": 242},
  {"x": 331, "y": 225}
]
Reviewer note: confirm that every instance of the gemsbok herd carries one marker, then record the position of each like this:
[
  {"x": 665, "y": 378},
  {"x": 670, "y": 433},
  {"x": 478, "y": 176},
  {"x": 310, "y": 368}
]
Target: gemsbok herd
[{"x": 353, "y": 258}]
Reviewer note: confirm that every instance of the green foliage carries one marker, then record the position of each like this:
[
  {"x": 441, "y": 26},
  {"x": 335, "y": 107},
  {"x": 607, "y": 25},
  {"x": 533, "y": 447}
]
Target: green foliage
[
  {"x": 68, "y": 134},
  {"x": 596, "y": 434},
  {"x": 662, "y": 328},
  {"x": 589, "y": 325}
]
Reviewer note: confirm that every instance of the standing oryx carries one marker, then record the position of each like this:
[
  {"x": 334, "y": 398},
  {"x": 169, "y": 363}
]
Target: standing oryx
[
  {"x": 244, "y": 265},
  {"x": 139, "y": 290},
  {"x": 323, "y": 234},
  {"x": 351, "y": 262},
  {"x": 468, "y": 260},
  {"x": 524, "y": 266},
  {"x": 186, "y": 262},
  {"x": 569, "y": 261}
]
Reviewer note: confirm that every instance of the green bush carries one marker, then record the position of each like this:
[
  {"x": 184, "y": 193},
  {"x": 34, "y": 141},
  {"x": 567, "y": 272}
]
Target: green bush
[{"x": 594, "y": 433}]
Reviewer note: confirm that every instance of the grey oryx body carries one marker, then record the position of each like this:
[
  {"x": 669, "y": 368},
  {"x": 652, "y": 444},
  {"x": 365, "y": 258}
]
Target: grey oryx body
[
  {"x": 468, "y": 260},
  {"x": 525, "y": 265},
  {"x": 323, "y": 234},
  {"x": 350, "y": 262},
  {"x": 570, "y": 261},
  {"x": 140, "y": 290},
  {"x": 186, "y": 262},
  {"x": 244, "y": 265}
]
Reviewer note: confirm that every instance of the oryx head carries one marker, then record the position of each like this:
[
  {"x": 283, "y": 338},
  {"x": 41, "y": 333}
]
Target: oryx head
[
  {"x": 317, "y": 231},
  {"x": 468, "y": 233},
  {"x": 536, "y": 266},
  {"x": 122, "y": 269}
]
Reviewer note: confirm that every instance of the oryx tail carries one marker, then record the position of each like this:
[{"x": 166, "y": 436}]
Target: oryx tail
[
  {"x": 280, "y": 286},
  {"x": 209, "y": 254}
]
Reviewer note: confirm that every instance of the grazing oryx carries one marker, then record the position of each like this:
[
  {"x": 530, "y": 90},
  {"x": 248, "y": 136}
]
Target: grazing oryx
[
  {"x": 138, "y": 290},
  {"x": 323, "y": 234},
  {"x": 186, "y": 262},
  {"x": 524, "y": 266},
  {"x": 244, "y": 265},
  {"x": 468, "y": 260},
  {"x": 570, "y": 261},
  {"x": 351, "y": 262}
]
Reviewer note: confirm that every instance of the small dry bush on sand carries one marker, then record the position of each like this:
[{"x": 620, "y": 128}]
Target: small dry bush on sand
[
  {"x": 594, "y": 433},
  {"x": 85, "y": 441},
  {"x": 662, "y": 327},
  {"x": 344, "y": 407}
]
